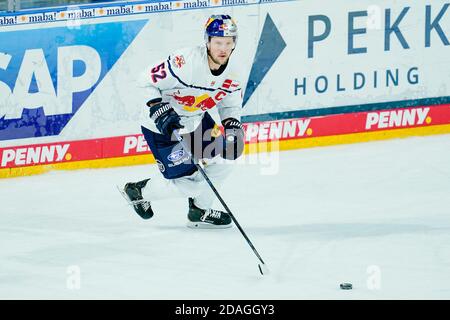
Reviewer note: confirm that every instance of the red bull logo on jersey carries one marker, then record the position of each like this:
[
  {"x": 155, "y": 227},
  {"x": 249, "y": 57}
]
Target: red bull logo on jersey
[{"x": 202, "y": 102}]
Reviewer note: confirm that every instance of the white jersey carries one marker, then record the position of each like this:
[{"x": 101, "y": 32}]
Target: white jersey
[{"x": 186, "y": 82}]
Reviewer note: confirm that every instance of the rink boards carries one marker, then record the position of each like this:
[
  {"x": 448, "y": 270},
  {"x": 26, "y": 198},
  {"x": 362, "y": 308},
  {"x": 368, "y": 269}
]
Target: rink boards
[
  {"x": 312, "y": 74},
  {"x": 265, "y": 136}
]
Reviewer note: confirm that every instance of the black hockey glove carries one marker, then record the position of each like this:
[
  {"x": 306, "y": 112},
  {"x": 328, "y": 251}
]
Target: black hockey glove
[
  {"x": 165, "y": 118},
  {"x": 234, "y": 139}
]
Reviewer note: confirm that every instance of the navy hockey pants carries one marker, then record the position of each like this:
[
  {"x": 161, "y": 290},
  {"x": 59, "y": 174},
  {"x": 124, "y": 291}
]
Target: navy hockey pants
[{"x": 172, "y": 160}]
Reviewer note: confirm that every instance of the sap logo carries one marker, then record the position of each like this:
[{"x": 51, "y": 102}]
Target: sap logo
[
  {"x": 176, "y": 155},
  {"x": 34, "y": 155},
  {"x": 47, "y": 74},
  {"x": 399, "y": 118},
  {"x": 34, "y": 72}
]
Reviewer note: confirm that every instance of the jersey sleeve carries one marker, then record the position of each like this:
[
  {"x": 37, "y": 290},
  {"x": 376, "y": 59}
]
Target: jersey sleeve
[
  {"x": 231, "y": 104},
  {"x": 163, "y": 75}
]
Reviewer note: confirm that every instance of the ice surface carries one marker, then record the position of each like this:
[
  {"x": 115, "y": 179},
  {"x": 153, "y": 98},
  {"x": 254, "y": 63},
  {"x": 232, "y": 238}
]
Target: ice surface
[{"x": 376, "y": 215}]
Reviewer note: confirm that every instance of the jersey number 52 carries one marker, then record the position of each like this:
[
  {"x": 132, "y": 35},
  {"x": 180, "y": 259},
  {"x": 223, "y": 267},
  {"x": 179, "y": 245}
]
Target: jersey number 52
[{"x": 158, "y": 72}]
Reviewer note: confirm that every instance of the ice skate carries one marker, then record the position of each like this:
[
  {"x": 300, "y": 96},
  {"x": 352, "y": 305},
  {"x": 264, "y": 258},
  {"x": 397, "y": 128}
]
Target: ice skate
[
  {"x": 207, "y": 219},
  {"x": 132, "y": 191}
]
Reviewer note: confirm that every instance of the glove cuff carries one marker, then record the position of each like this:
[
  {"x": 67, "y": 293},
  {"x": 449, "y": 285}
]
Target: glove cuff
[
  {"x": 231, "y": 123},
  {"x": 155, "y": 100},
  {"x": 157, "y": 110}
]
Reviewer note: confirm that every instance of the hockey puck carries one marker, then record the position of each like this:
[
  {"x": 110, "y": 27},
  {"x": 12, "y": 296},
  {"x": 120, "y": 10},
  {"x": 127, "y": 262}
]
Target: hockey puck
[{"x": 346, "y": 286}]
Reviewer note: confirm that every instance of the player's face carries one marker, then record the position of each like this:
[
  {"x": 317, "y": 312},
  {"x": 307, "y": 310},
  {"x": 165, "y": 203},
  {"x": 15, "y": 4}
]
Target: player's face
[{"x": 220, "y": 49}]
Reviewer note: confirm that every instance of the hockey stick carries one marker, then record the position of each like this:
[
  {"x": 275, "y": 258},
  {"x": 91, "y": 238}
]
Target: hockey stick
[{"x": 262, "y": 266}]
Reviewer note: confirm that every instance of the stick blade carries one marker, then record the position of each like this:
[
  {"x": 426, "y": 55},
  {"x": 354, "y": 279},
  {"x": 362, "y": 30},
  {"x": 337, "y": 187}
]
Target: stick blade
[{"x": 263, "y": 269}]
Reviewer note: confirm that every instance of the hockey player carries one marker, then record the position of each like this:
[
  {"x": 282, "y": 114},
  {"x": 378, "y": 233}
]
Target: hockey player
[{"x": 180, "y": 91}]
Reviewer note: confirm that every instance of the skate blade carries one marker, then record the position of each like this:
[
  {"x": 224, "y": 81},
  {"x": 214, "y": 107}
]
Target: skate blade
[
  {"x": 127, "y": 199},
  {"x": 205, "y": 225}
]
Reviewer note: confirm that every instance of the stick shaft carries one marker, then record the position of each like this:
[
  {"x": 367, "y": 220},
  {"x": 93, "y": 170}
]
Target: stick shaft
[{"x": 195, "y": 161}]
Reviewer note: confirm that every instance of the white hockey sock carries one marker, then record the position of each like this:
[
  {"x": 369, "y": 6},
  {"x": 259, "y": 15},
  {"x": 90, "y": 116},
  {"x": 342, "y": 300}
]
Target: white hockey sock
[
  {"x": 193, "y": 186},
  {"x": 217, "y": 172}
]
